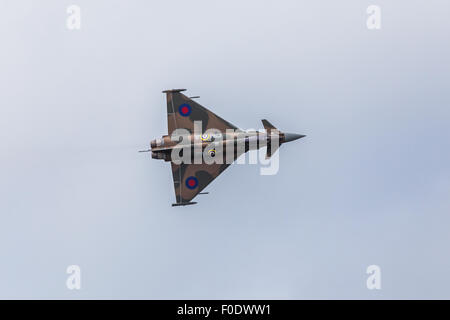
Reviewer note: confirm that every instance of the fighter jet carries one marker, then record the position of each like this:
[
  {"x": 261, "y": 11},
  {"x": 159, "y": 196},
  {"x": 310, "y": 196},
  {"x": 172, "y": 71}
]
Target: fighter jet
[{"x": 216, "y": 139}]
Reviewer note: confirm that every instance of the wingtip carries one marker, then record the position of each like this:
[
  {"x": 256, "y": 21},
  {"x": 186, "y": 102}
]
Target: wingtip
[
  {"x": 173, "y": 90},
  {"x": 178, "y": 204}
]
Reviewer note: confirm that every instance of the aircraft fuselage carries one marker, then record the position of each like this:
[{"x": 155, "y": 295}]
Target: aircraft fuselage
[{"x": 215, "y": 145}]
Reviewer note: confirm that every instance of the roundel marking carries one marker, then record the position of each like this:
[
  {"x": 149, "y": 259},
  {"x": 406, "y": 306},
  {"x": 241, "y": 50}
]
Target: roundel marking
[
  {"x": 184, "y": 109},
  {"x": 192, "y": 182},
  {"x": 205, "y": 137}
]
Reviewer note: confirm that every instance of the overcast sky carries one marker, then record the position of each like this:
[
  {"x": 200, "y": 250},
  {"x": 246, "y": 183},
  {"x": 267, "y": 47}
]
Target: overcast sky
[{"x": 370, "y": 185}]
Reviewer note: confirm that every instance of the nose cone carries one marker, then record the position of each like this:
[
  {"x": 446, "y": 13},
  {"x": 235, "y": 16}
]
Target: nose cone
[{"x": 288, "y": 137}]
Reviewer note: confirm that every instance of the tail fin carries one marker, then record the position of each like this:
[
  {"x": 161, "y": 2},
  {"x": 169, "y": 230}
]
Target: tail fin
[{"x": 270, "y": 149}]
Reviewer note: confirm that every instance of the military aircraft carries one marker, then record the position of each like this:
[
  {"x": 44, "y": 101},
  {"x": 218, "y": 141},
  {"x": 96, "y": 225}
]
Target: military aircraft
[{"x": 216, "y": 139}]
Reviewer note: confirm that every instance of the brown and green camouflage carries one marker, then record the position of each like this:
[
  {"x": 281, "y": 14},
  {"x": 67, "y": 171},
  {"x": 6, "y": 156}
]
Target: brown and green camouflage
[{"x": 190, "y": 177}]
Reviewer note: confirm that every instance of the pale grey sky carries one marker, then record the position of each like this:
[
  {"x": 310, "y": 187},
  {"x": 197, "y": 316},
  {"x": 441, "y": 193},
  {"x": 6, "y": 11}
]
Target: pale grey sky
[{"x": 369, "y": 185}]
